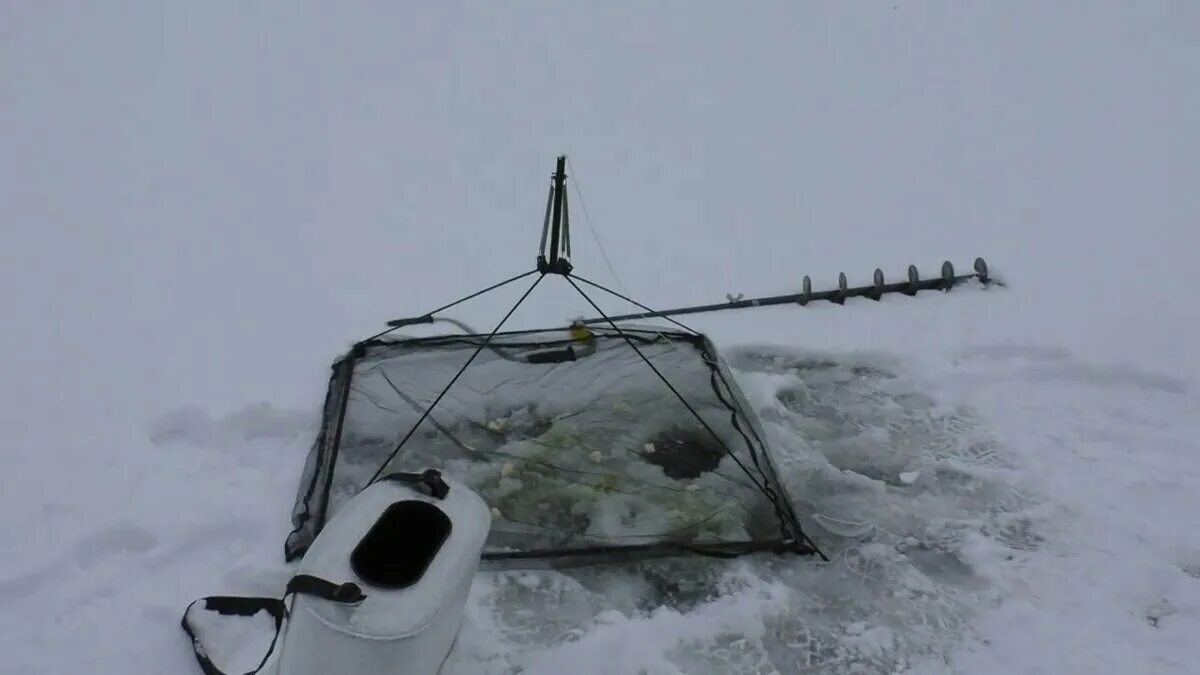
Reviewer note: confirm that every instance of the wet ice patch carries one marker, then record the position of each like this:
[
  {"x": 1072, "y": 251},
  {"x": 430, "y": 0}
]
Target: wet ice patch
[
  {"x": 871, "y": 642},
  {"x": 668, "y": 617},
  {"x": 909, "y": 496},
  {"x": 860, "y": 442}
]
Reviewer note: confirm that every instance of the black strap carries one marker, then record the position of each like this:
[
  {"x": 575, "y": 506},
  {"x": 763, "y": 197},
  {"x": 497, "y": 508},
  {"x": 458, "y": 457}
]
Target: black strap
[
  {"x": 427, "y": 482},
  {"x": 239, "y": 606},
  {"x": 229, "y": 605},
  {"x": 347, "y": 593}
]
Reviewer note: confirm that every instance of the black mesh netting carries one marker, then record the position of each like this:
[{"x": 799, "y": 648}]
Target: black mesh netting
[{"x": 576, "y": 444}]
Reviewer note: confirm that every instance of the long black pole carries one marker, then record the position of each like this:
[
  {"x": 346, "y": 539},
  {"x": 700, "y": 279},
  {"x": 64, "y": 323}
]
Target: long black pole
[{"x": 560, "y": 175}]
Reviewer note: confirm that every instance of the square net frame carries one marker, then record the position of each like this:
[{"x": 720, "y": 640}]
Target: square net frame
[{"x": 582, "y": 451}]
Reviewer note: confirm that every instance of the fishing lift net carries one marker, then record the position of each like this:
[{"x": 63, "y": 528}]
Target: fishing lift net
[{"x": 579, "y": 447}]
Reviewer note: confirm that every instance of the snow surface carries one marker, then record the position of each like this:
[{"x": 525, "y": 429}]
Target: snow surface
[{"x": 204, "y": 204}]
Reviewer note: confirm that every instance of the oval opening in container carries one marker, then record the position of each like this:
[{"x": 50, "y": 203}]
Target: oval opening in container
[{"x": 401, "y": 544}]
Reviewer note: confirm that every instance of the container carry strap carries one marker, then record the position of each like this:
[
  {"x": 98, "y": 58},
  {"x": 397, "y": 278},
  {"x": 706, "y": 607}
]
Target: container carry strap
[
  {"x": 229, "y": 605},
  {"x": 428, "y": 482}
]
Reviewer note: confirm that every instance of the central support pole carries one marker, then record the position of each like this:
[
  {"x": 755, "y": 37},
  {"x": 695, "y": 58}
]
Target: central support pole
[
  {"x": 560, "y": 179},
  {"x": 555, "y": 260}
]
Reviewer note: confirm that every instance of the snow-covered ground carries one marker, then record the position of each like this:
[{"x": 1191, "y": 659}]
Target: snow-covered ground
[{"x": 203, "y": 205}]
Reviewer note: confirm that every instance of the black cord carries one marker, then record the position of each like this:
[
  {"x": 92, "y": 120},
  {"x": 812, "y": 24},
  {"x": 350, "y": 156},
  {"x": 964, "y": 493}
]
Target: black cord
[
  {"x": 454, "y": 379},
  {"x": 786, "y": 517},
  {"x": 769, "y": 493},
  {"x": 634, "y": 302},
  {"x": 670, "y": 386},
  {"x": 443, "y": 308}
]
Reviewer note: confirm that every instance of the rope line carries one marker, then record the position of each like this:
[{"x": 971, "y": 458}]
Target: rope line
[
  {"x": 454, "y": 379},
  {"x": 461, "y": 300},
  {"x": 631, "y": 301},
  {"x": 674, "y": 391},
  {"x": 588, "y": 220}
]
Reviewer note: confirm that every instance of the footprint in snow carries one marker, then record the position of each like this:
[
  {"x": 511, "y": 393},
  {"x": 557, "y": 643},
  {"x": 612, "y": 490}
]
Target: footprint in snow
[
  {"x": 1012, "y": 352},
  {"x": 110, "y": 542},
  {"x": 1158, "y": 612},
  {"x": 194, "y": 426},
  {"x": 1044, "y": 363}
]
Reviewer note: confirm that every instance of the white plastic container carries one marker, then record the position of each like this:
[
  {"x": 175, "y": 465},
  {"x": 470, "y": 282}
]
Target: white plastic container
[{"x": 403, "y": 629}]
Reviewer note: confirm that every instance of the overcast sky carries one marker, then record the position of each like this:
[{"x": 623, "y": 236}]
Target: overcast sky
[{"x": 211, "y": 200}]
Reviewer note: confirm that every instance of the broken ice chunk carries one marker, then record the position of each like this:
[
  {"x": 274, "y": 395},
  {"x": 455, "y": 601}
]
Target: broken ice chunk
[
  {"x": 596, "y": 456},
  {"x": 909, "y": 477},
  {"x": 648, "y": 448}
]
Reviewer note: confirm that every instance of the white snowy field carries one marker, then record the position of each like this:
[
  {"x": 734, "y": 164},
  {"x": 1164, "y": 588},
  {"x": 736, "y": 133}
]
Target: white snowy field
[{"x": 204, "y": 205}]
